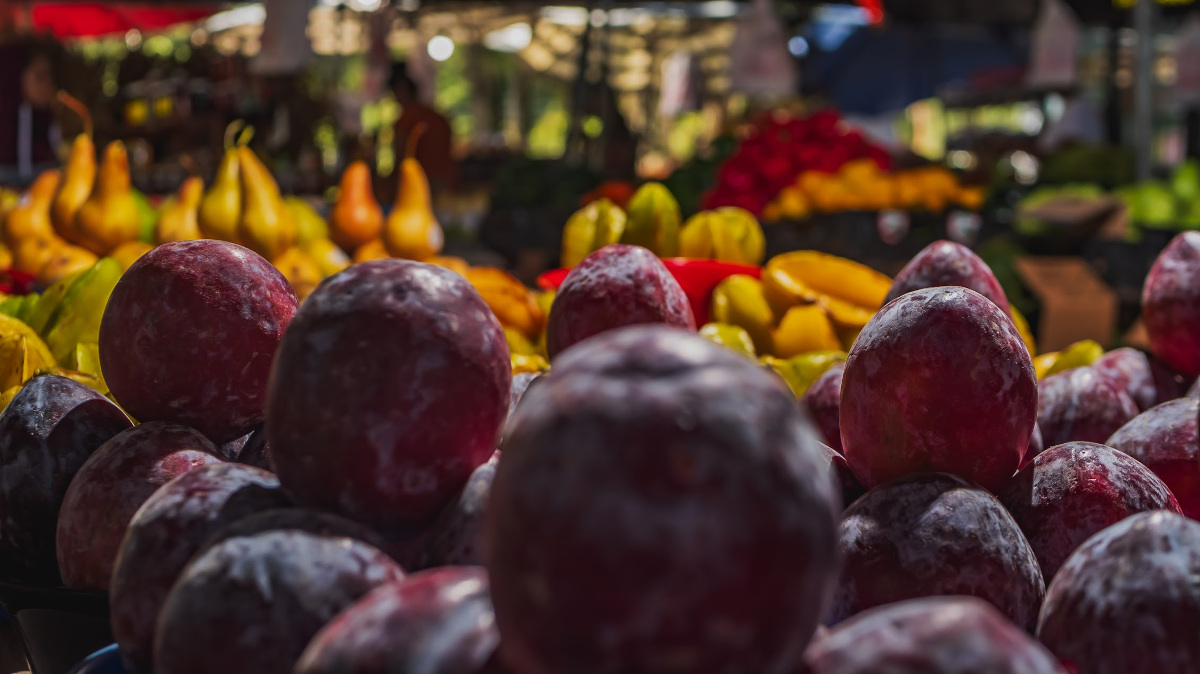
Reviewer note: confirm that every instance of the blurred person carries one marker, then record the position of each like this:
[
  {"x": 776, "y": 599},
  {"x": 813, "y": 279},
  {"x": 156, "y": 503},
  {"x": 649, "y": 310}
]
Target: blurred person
[
  {"x": 434, "y": 149},
  {"x": 27, "y": 131}
]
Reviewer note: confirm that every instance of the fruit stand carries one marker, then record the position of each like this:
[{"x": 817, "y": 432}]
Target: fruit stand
[{"x": 818, "y": 418}]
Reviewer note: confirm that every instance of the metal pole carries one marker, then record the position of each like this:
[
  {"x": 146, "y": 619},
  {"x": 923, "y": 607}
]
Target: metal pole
[{"x": 1143, "y": 86}]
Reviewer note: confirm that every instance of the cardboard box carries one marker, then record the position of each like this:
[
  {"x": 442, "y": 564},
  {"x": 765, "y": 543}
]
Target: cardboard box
[{"x": 1075, "y": 303}]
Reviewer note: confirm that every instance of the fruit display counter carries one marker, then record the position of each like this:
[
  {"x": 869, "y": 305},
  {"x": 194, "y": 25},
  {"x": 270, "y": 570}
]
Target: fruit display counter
[{"x": 676, "y": 455}]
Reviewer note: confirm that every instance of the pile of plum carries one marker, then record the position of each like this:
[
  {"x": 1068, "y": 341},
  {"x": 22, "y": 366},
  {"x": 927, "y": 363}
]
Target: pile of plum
[{"x": 359, "y": 485}]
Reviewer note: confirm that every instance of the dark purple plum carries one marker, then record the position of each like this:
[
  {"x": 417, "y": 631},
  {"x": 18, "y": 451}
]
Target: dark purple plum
[
  {"x": 107, "y": 491},
  {"x": 823, "y": 400},
  {"x": 930, "y": 535},
  {"x": 435, "y": 622},
  {"x": 945, "y": 263},
  {"x": 169, "y": 528},
  {"x": 1071, "y": 491},
  {"x": 935, "y": 635},
  {"x": 654, "y": 487},
  {"x": 390, "y": 388},
  {"x": 250, "y": 605},
  {"x": 1165, "y": 440},
  {"x": 615, "y": 286},
  {"x": 455, "y": 538},
  {"x": 1081, "y": 405},
  {"x": 47, "y": 432},
  {"x": 1127, "y": 601},
  {"x": 304, "y": 520},
  {"x": 1171, "y": 305},
  {"x": 189, "y": 334},
  {"x": 1143, "y": 377},
  {"x": 938, "y": 381}
]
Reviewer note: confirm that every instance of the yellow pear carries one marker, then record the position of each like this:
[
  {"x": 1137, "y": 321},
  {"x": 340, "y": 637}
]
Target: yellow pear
[
  {"x": 110, "y": 217},
  {"x": 30, "y": 255},
  {"x": 374, "y": 250},
  {"x": 220, "y": 209},
  {"x": 128, "y": 253},
  {"x": 300, "y": 270},
  {"x": 180, "y": 222},
  {"x": 329, "y": 257},
  {"x": 309, "y": 223},
  {"x": 356, "y": 218},
  {"x": 64, "y": 261},
  {"x": 79, "y": 178},
  {"x": 31, "y": 218},
  {"x": 268, "y": 227},
  {"x": 411, "y": 230}
]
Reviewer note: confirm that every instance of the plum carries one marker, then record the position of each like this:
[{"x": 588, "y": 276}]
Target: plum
[
  {"x": 435, "y": 622},
  {"x": 938, "y": 381},
  {"x": 251, "y": 604},
  {"x": 189, "y": 334},
  {"x": 454, "y": 538},
  {"x": 305, "y": 520},
  {"x": 1171, "y": 305},
  {"x": 615, "y": 286},
  {"x": 1071, "y": 491},
  {"x": 169, "y": 528},
  {"x": 1165, "y": 440},
  {"x": 935, "y": 534},
  {"x": 390, "y": 388},
  {"x": 1127, "y": 601},
  {"x": 1082, "y": 405},
  {"x": 661, "y": 502},
  {"x": 1143, "y": 377},
  {"x": 114, "y": 482},
  {"x": 945, "y": 263},
  {"x": 936, "y": 635},
  {"x": 47, "y": 432},
  {"x": 822, "y": 400}
]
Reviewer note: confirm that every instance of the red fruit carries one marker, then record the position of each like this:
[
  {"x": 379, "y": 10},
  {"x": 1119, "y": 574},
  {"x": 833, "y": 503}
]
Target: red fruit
[
  {"x": 436, "y": 621},
  {"x": 945, "y": 263},
  {"x": 851, "y": 489},
  {"x": 171, "y": 527},
  {"x": 389, "y": 389},
  {"x": 1071, "y": 491},
  {"x": 939, "y": 380},
  {"x": 930, "y": 535},
  {"x": 189, "y": 334},
  {"x": 613, "y": 287},
  {"x": 251, "y": 605},
  {"x": 47, "y": 432},
  {"x": 1127, "y": 601},
  {"x": 1164, "y": 439},
  {"x": 937, "y": 635},
  {"x": 454, "y": 539},
  {"x": 1171, "y": 304},
  {"x": 106, "y": 492},
  {"x": 661, "y": 502},
  {"x": 1081, "y": 405},
  {"x": 823, "y": 400},
  {"x": 1146, "y": 380}
]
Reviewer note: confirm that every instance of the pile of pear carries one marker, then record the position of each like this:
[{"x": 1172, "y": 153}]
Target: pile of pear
[{"x": 72, "y": 217}]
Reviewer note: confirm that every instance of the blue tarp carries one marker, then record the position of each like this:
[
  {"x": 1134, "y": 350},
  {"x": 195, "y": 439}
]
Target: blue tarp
[{"x": 875, "y": 71}]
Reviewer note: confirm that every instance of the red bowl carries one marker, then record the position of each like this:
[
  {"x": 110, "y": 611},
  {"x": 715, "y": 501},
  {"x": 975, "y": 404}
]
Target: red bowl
[{"x": 697, "y": 277}]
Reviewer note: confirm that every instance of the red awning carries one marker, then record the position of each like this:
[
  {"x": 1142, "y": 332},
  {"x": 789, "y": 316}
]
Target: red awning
[{"x": 87, "y": 19}]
